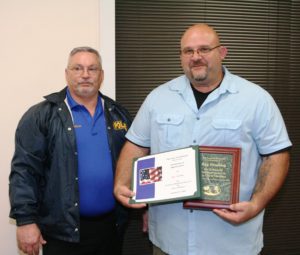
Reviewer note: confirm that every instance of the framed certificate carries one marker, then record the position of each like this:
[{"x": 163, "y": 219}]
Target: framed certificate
[
  {"x": 165, "y": 177},
  {"x": 219, "y": 177}
]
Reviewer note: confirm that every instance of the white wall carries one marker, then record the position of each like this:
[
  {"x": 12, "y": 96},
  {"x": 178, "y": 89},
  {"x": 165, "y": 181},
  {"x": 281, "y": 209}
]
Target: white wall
[{"x": 36, "y": 38}]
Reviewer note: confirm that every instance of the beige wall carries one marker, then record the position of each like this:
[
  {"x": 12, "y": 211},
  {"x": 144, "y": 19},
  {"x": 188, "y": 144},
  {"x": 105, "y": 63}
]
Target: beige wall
[{"x": 36, "y": 37}]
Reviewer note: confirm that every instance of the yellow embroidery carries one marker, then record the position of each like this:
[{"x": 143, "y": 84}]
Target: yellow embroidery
[{"x": 118, "y": 125}]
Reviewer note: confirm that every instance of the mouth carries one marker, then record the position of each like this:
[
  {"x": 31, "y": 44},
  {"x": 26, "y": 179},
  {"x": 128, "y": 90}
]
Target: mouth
[
  {"x": 85, "y": 83},
  {"x": 198, "y": 64},
  {"x": 198, "y": 67}
]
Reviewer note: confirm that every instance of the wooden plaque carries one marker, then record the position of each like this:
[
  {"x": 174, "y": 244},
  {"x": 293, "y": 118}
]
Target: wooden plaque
[{"x": 219, "y": 178}]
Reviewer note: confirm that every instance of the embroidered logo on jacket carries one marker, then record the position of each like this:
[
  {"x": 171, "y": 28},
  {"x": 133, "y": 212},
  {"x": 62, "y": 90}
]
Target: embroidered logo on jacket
[{"x": 119, "y": 125}]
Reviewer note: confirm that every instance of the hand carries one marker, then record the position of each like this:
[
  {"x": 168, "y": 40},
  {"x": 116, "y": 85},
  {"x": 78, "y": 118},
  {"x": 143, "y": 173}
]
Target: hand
[
  {"x": 29, "y": 239},
  {"x": 238, "y": 213},
  {"x": 123, "y": 194},
  {"x": 145, "y": 221}
]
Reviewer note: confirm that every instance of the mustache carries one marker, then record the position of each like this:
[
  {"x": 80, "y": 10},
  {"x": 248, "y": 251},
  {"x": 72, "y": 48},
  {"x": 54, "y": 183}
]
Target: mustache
[{"x": 197, "y": 63}]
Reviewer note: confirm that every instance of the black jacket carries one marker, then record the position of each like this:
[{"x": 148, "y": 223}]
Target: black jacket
[{"x": 43, "y": 185}]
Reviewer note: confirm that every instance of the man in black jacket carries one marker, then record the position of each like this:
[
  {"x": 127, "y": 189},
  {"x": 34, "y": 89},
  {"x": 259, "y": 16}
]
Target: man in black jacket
[{"x": 61, "y": 181}]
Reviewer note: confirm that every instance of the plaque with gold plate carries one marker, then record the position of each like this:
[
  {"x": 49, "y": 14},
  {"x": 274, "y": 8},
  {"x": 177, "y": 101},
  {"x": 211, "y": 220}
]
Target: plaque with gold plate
[{"x": 219, "y": 178}]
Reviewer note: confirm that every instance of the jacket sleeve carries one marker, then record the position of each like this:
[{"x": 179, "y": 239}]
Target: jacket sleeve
[{"x": 26, "y": 177}]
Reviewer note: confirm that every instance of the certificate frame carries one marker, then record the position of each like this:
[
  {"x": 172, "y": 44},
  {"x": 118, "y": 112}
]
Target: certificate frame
[
  {"x": 221, "y": 156},
  {"x": 165, "y": 177}
]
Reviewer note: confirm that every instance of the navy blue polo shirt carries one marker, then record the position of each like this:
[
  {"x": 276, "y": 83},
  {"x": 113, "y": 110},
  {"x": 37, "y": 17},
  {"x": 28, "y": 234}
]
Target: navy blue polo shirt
[{"x": 95, "y": 173}]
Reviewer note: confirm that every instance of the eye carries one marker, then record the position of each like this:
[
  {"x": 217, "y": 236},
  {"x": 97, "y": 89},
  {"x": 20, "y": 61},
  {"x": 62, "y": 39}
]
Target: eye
[
  {"x": 188, "y": 52},
  {"x": 77, "y": 68},
  {"x": 204, "y": 50},
  {"x": 92, "y": 69}
]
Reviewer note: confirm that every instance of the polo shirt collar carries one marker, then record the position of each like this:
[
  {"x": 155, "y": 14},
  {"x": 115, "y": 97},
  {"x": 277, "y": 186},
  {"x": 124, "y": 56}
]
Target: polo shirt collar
[{"x": 72, "y": 103}]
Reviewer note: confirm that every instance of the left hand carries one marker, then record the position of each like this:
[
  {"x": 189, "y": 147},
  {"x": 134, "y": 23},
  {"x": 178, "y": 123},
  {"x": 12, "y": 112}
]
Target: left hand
[{"x": 238, "y": 213}]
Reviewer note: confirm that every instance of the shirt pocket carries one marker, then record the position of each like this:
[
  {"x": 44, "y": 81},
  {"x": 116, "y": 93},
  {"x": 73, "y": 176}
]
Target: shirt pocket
[
  {"x": 228, "y": 131},
  {"x": 170, "y": 128}
]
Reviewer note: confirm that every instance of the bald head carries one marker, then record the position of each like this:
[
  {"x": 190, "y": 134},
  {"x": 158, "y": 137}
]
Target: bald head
[{"x": 201, "y": 32}]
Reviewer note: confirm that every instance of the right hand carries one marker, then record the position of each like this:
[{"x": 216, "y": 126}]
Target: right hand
[
  {"x": 123, "y": 194},
  {"x": 29, "y": 239}
]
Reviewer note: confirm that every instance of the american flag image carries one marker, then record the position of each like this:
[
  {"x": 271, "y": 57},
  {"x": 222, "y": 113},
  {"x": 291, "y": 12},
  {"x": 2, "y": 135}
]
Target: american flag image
[{"x": 150, "y": 175}]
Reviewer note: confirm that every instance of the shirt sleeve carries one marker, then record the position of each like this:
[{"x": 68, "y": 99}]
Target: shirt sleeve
[
  {"x": 269, "y": 129},
  {"x": 140, "y": 130}
]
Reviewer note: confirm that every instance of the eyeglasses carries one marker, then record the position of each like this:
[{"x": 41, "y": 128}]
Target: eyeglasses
[
  {"x": 79, "y": 70},
  {"x": 188, "y": 52}
]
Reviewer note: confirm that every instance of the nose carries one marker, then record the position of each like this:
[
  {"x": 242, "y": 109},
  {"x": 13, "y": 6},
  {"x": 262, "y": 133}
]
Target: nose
[
  {"x": 197, "y": 55},
  {"x": 85, "y": 72}
]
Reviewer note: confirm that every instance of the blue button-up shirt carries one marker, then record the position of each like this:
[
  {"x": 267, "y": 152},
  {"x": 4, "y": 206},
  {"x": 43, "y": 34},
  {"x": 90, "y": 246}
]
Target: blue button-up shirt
[{"x": 237, "y": 114}]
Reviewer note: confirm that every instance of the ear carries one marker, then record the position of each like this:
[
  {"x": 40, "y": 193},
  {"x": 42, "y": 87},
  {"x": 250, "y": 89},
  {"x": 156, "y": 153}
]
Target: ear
[
  {"x": 223, "y": 52},
  {"x": 102, "y": 75},
  {"x": 66, "y": 73}
]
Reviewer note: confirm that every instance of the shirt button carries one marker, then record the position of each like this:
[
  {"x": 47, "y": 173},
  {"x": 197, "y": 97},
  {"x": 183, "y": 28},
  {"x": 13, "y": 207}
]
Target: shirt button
[
  {"x": 76, "y": 204},
  {"x": 69, "y": 129},
  {"x": 75, "y": 153},
  {"x": 76, "y": 178},
  {"x": 194, "y": 141},
  {"x": 198, "y": 118},
  {"x": 76, "y": 229},
  {"x": 108, "y": 127},
  {"x": 168, "y": 119},
  {"x": 59, "y": 109}
]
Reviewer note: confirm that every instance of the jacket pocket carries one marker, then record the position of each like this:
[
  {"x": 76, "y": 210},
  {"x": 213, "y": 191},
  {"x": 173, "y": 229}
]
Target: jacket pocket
[{"x": 169, "y": 129}]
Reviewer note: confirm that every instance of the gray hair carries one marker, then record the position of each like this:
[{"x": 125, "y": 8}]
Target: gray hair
[{"x": 86, "y": 49}]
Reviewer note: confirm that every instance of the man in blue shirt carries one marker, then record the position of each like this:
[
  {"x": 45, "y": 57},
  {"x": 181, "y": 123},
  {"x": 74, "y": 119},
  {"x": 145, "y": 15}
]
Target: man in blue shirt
[
  {"x": 209, "y": 106},
  {"x": 61, "y": 181}
]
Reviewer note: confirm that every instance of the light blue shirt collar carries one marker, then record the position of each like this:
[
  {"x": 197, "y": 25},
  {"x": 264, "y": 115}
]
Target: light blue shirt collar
[{"x": 226, "y": 85}]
